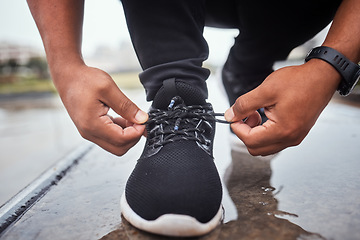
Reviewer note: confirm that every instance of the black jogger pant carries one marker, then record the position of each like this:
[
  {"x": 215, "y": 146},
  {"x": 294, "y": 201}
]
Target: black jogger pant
[{"x": 167, "y": 35}]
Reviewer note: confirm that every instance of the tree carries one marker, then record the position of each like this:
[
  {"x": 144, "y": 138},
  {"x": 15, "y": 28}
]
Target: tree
[{"x": 39, "y": 66}]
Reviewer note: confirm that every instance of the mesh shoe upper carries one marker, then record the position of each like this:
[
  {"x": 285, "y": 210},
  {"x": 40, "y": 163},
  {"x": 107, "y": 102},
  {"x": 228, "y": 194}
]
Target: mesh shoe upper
[{"x": 176, "y": 173}]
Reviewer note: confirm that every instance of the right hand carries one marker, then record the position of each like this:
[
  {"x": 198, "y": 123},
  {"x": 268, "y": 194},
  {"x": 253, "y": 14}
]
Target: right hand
[{"x": 88, "y": 94}]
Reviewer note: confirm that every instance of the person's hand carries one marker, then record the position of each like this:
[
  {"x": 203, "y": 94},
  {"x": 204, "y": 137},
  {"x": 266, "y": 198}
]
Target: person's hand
[
  {"x": 293, "y": 98},
  {"x": 88, "y": 94}
]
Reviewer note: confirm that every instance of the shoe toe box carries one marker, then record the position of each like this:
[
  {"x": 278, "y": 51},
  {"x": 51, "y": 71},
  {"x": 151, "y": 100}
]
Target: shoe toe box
[{"x": 181, "y": 181}]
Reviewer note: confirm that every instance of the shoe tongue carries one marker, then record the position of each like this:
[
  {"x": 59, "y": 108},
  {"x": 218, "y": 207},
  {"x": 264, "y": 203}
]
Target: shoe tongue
[{"x": 171, "y": 88}]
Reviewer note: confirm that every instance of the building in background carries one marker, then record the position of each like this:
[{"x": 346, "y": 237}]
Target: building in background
[
  {"x": 114, "y": 60},
  {"x": 17, "y": 61}
]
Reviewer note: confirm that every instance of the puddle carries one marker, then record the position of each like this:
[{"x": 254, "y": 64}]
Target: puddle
[
  {"x": 306, "y": 192},
  {"x": 320, "y": 178}
]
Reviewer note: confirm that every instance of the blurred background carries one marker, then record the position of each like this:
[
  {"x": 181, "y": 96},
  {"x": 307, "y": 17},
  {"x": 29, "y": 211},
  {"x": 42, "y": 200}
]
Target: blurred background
[{"x": 35, "y": 130}]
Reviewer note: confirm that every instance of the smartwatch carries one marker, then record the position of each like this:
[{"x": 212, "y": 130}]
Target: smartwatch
[{"x": 349, "y": 71}]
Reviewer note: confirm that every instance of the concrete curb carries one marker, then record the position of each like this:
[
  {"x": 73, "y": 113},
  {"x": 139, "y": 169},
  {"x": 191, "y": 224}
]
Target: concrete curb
[{"x": 17, "y": 206}]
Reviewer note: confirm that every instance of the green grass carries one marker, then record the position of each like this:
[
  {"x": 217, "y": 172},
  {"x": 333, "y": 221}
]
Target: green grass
[
  {"x": 127, "y": 80},
  {"x": 25, "y": 85}
]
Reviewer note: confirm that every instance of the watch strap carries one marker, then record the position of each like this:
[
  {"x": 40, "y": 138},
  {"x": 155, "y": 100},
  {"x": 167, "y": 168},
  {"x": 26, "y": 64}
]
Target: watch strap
[{"x": 347, "y": 69}]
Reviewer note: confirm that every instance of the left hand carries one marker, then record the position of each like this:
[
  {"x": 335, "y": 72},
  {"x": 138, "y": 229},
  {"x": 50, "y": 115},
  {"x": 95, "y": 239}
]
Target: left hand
[{"x": 293, "y": 98}]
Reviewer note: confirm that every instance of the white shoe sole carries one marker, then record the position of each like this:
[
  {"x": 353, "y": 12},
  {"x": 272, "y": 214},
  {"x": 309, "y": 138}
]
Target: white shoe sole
[{"x": 175, "y": 225}]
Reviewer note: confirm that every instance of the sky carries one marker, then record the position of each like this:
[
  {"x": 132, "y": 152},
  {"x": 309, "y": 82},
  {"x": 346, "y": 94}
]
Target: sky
[{"x": 104, "y": 25}]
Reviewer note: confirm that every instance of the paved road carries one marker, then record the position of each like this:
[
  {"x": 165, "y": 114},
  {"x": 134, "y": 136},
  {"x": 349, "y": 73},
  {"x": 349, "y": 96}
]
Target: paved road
[
  {"x": 35, "y": 133},
  {"x": 306, "y": 192}
]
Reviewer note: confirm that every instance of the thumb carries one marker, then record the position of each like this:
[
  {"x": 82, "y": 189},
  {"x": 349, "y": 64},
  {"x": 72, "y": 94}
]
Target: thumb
[
  {"x": 248, "y": 103},
  {"x": 123, "y": 106}
]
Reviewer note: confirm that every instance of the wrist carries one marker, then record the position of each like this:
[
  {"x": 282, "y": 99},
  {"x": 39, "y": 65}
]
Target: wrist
[
  {"x": 326, "y": 74},
  {"x": 62, "y": 60},
  {"x": 348, "y": 70},
  {"x": 65, "y": 70}
]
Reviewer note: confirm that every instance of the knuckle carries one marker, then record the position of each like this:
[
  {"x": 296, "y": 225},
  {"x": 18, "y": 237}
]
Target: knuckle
[
  {"x": 103, "y": 86},
  {"x": 240, "y": 104},
  {"x": 293, "y": 136},
  {"x": 120, "y": 152},
  {"x": 296, "y": 140},
  {"x": 251, "y": 143},
  {"x": 253, "y": 152},
  {"x": 85, "y": 135},
  {"x": 104, "y": 82},
  {"x": 85, "y": 131},
  {"x": 126, "y": 105},
  {"x": 122, "y": 148}
]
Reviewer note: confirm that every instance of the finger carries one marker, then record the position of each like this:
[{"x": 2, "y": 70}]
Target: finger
[
  {"x": 114, "y": 149},
  {"x": 246, "y": 104},
  {"x": 259, "y": 148},
  {"x": 267, "y": 150},
  {"x": 117, "y": 135},
  {"x": 259, "y": 136},
  {"x": 110, "y": 142},
  {"x": 123, "y": 106},
  {"x": 105, "y": 129},
  {"x": 253, "y": 120},
  {"x": 125, "y": 123},
  {"x": 117, "y": 145},
  {"x": 268, "y": 138},
  {"x": 122, "y": 122}
]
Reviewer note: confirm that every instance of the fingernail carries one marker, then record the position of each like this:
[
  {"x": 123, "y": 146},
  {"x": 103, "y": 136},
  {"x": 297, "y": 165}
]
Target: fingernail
[
  {"x": 229, "y": 115},
  {"x": 141, "y": 116}
]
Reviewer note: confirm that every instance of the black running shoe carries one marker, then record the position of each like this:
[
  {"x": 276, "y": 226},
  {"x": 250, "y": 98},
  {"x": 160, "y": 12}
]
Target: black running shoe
[{"x": 175, "y": 188}]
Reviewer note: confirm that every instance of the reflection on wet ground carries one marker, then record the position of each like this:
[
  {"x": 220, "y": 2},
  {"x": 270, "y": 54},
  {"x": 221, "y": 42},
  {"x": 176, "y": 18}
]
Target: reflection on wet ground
[
  {"x": 35, "y": 132},
  {"x": 248, "y": 182},
  {"x": 320, "y": 178},
  {"x": 306, "y": 192},
  {"x": 256, "y": 200}
]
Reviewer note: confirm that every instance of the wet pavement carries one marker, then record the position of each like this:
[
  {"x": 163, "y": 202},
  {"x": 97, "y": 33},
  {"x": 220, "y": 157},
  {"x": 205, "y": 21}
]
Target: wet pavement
[
  {"x": 35, "y": 132},
  {"x": 307, "y": 192}
]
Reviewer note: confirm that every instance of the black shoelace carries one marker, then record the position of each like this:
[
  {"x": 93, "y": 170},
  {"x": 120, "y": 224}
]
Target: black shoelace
[{"x": 181, "y": 122}]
